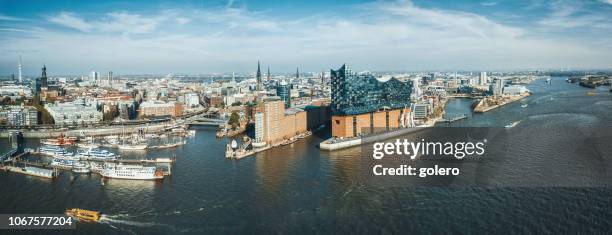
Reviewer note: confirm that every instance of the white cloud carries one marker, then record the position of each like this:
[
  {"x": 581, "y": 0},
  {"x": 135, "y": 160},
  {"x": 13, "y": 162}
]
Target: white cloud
[
  {"x": 240, "y": 18},
  {"x": 489, "y": 4},
  {"x": 182, "y": 20},
  {"x": 128, "y": 23},
  {"x": 116, "y": 22},
  {"x": 566, "y": 15},
  {"x": 71, "y": 21},
  {"x": 377, "y": 36},
  {"x": 9, "y": 18}
]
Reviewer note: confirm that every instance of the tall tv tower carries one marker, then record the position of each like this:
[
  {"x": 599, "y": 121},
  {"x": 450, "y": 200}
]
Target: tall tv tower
[{"x": 19, "y": 68}]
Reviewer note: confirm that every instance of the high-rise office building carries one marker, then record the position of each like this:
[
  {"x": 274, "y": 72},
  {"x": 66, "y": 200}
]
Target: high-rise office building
[
  {"x": 483, "y": 78},
  {"x": 19, "y": 68},
  {"x": 110, "y": 77},
  {"x": 269, "y": 76},
  {"x": 283, "y": 90},
  {"x": 36, "y": 86},
  {"x": 94, "y": 76},
  {"x": 497, "y": 87}
]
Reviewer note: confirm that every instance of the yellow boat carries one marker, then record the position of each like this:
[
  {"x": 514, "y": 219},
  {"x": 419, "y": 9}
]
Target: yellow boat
[{"x": 83, "y": 215}]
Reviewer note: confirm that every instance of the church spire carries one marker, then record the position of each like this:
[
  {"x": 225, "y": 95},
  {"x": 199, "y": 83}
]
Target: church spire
[
  {"x": 258, "y": 76},
  {"x": 43, "y": 77}
]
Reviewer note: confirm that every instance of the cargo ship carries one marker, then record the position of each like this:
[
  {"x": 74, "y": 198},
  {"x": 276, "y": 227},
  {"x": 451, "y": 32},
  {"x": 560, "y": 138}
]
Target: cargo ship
[
  {"x": 83, "y": 215},
  {"x": 131, "y": 172}
]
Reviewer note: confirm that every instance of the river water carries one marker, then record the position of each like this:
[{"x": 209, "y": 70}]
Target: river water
[{"x": 300, "y": 189}]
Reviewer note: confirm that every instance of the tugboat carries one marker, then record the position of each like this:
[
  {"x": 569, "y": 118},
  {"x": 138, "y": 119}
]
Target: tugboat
[{"x": 83, "y": 215}]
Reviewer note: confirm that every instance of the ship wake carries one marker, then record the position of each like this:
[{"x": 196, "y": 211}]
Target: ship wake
[{"x": 123, "y": 220}]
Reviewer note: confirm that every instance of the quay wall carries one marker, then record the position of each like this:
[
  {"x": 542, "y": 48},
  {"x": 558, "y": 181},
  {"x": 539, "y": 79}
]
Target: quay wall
[
  {"x": 115, "y": 130},
  {"x": 327, "y": 145}
]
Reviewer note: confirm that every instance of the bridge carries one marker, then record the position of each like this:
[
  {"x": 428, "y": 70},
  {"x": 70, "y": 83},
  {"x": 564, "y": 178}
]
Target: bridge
[
  {"x": 6, "y": 157},
  {"x": 205, "y": 119}
]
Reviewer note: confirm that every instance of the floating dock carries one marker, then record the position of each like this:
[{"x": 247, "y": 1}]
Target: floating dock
[{"x": 33, "y": 171}]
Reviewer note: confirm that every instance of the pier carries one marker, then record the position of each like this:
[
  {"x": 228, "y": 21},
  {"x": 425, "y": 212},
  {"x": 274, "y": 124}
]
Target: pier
[
  {"x": 33, "y": 171},
  {"x": 242, "y": 152},
  {"x": 451, "y": 120}
]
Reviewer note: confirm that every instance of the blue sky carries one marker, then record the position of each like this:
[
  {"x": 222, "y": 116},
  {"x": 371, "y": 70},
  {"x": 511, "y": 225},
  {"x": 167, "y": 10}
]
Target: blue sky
[{"x": 75, "y": 37}]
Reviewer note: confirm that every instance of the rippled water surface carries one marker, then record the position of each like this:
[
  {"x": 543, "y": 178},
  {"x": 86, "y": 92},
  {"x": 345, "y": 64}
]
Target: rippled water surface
[{"x": 300, "y": 189}]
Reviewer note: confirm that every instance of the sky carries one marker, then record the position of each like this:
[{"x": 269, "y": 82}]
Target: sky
[{"x": 203, "y": 37}]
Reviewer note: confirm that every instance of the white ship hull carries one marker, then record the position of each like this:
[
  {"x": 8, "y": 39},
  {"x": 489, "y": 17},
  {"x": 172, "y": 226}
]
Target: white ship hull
[
  {"x": 118, "y": 171},
  {"x": 133, "y": 147},
  {"x": 132, "y": 177}
]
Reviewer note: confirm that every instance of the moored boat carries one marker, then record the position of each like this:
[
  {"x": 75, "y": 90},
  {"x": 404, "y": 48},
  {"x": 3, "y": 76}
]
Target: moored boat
[
  {"x": 80, "y": 167},
  {"x": 96, "y": 154},
  {"x": 49, "y": 150},
  {"x": 62, "y": 163},
  {"x": 133, "y": 172},
  {"x": 133, "y": 146}
]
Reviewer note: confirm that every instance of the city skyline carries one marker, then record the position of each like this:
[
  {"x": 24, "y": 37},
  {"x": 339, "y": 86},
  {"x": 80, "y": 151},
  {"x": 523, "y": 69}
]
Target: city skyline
[{"x": 223, "y": 36}]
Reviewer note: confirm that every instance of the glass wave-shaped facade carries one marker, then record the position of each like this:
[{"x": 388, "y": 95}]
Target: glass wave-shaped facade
[{"x": 362, "y": 93}]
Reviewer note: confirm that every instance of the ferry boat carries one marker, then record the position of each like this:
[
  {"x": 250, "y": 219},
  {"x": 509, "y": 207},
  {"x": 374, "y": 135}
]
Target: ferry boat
[
  {"x": 62, "y": 163},
  {"x": 87, "y": 145},
  {"x": 65, "y": 155},
  {"x": 56, "y": 152},
  {"x": 50, "y": 150},
  {"x": 83, "y": 215},
  {"x": 96, "y": 167},
  {"x": 80, "y": 167},
  {"x": 96, "y": 154},
  {"x": 133, "y": 146},
  {"x": 132, "y": 172},
  {"x": 524, "y": 105}
]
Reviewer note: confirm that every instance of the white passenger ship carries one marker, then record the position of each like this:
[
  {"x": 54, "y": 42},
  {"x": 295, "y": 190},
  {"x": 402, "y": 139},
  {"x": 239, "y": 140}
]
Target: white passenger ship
[
  {"x": 133, "y": 172},
  {"x": 96, "y": 154}
]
